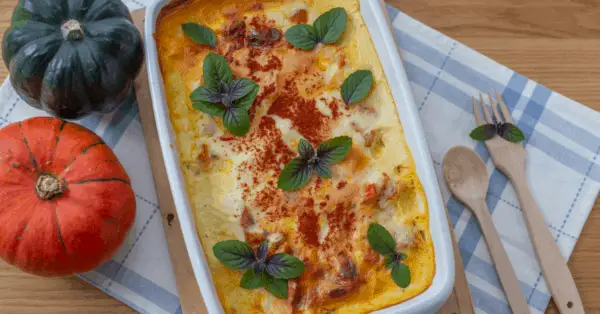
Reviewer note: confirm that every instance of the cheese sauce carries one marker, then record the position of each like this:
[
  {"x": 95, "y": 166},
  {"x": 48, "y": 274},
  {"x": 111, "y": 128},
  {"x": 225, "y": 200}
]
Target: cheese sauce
[{"x": 232, "y": 181}]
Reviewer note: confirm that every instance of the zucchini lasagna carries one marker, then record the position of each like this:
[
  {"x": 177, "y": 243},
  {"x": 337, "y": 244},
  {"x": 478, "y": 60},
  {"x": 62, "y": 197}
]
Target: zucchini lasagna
[{"x": 232, "y": 181}]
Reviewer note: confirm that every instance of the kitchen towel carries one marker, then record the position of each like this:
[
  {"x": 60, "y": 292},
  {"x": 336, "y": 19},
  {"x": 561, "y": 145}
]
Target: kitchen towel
[{"x": 563, "y": 143}]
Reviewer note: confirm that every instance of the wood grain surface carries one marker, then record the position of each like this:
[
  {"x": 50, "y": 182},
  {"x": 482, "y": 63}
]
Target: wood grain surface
[{"x": 554, "y": 42}]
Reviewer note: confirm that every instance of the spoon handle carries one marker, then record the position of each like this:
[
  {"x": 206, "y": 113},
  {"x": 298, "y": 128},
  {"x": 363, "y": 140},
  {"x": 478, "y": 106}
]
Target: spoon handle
[
  {"x": 506, "y": 273},
  {"x": 554, "y": 266}
]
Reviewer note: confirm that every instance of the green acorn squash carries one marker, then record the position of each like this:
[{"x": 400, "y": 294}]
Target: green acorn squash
[{"x": 72, "y": 57}]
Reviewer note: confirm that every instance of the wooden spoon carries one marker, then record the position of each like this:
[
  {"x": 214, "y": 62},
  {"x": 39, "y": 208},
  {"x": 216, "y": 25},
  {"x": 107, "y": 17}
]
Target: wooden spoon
[{"x": 468, "y": 180}]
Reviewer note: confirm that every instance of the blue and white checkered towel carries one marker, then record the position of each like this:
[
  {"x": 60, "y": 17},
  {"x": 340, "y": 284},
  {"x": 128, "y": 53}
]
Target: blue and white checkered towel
[{"x": 563, "y": 143}]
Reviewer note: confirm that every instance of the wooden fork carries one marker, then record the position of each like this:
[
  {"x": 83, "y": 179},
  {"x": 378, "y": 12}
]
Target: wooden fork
[{"x": 510, "y": 159}]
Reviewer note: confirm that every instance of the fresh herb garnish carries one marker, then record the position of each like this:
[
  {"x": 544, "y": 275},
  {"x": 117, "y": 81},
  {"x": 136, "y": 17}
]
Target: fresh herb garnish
[
  {"x": 298, "y": 172},
  {"x": 507, "y": 131},
  {"x": 382, "y": 241},
  {"x": 200, "y": 34},
  {"x": 330, "y": 26},
  {"x": 357, "y": 86},
  {"x": 327, "y": 28},
  {"x": 222, "y": 96},
  {"x": 271, "y": 273}
]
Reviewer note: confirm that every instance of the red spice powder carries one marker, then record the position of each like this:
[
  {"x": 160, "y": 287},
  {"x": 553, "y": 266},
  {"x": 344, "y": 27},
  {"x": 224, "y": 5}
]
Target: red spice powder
[
  {"x": 266, "y": 198},
  {"x": 341, "y": 223},
  {"x": 263, "y": 94},
  {"x": 303, "y": 114},
  {"x": 276, "y": 152},
  {"x": 308, "y": 224},
  {"x": 274, "y": 63},
  {"x": 334, "y": 106}
]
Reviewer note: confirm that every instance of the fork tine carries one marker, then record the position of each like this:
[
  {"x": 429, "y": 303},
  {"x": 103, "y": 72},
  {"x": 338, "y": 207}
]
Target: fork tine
[
  {"x": 486, "y": 112},
  {"x": 504, "y": 108},
  {"x": 477, "y": 113},
  {"x": 494, "y": 105}
]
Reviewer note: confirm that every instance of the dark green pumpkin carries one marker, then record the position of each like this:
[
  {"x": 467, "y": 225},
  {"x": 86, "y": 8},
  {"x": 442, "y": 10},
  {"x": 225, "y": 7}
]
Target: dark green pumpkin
[{"x": 72, "y": 57}]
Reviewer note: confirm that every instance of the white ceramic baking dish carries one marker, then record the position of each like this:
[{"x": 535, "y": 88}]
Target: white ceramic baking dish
[{"x": 375, "y": 16}]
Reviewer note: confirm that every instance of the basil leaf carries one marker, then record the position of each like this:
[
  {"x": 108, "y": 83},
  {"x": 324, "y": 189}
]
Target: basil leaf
[
  {"x": 234, "y": 254},
  {"x": 335, "y": 149},
  {"x": 401, "y": 275},
  {"x": 511, "y": 133},
  {"x": 252, "y": 280},
  {"x": 236, "y": 121},
  {"x": 390, "y": 261},
  {"x": 357, "y": 86},
  {"x": 200, "y": 34},
  {"x": 483, "y": 132},
  {"x": 294, "y": 175},
  {"x": 213, "y": 109},
  {"x": 240, "y": 88},
  {"x": 277, "y": 287},
  {"x": 306, "y": 150},
  {"x": 247, "y": 101},
  {"x": 380, "y": 239},
  {"x": 259, "y": 267},
  {"x": 204, "y": 93},
  {"x": 330, "y": 26},
  {"x": 284, "y": 266},
  {"x": 323, "y": 169},
  {"x": 262, "y": 250},
  {"x": 215, "y": 70},
  {"x": 302, "y": 36}
]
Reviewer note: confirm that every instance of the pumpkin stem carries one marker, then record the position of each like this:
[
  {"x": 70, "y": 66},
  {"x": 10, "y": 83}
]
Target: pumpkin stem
[
  {"x": 72, "y": 30},
  {"x": 48, "y": 186}
]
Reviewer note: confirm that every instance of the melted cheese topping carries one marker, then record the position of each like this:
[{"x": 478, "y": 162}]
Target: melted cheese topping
[{"x": 231, "y": 181}]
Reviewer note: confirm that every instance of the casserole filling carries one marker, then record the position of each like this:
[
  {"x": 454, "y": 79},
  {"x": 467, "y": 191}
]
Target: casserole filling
[{"x": 232, "y": 180}]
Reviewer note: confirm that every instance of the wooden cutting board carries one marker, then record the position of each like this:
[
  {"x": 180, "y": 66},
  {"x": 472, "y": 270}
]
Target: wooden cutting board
[{"x": 191, "y": 299}]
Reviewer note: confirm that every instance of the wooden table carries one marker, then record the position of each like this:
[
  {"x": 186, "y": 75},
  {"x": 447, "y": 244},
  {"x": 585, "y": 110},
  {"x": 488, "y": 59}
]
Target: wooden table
[{"x": 554, "y": 42}]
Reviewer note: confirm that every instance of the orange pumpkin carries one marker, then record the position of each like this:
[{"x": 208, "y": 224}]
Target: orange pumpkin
[{"x": 66, "y": 203}]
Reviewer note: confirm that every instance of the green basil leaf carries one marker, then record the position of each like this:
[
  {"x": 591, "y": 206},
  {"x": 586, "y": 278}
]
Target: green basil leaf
[
  {"x": 262, "y": 250},
  {"x": 277, "y": 287},
  {"x": 380, "y": 239},
  {"x": 512, "y": 133},
  {"x": 216, "y": 69},
  {"x": 390, "y": 261},
  {"x": 295, "y": 175},
  {"x": 284, "y": 266},
  {"x": 401, "y": 275},
  {"x": 247, "y": 101},
  {"x": 236, "y": 121},
  {"x": 240, "y": 88},
  {"x": 234, "y": 254},
  {"x": 204, "y": 93},
  {"x": 306, "y": 150},
  {"x": 200, "y": 34},
  {"x": 302, "y": 36},
  {"x": 323, "y": 169},
  {"x": 330, "y": 26},
  {"x": 335, "y": 149},
  {"x": 252, "y": 280},
  {"x": 483, "y": 132},
  {"x": 213, "y": 109},
  {"x": 357, "y": 86}
]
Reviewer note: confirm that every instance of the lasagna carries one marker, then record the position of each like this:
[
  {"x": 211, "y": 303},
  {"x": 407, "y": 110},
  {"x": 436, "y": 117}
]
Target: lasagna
[{"x": 231, "y": 180}]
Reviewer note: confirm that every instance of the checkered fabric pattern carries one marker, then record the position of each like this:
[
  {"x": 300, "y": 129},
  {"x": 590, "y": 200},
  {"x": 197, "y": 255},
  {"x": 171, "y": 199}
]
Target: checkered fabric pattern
[{"x": 563, "y": 143}]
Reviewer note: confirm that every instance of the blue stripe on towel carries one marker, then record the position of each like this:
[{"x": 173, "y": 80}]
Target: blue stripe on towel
[
  {"x": 483, "y": 82},
  {"x": 140, "y": 285}
]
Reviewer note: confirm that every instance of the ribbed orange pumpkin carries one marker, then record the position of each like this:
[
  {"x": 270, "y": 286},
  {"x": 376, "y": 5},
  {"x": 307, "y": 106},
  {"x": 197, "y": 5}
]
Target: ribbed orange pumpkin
[{"x": 66, "y": 203}]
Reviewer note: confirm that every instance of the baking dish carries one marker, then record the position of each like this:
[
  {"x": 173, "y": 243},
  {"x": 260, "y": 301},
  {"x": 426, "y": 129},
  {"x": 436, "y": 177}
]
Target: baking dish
[{"x": 373, "y": 13}]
